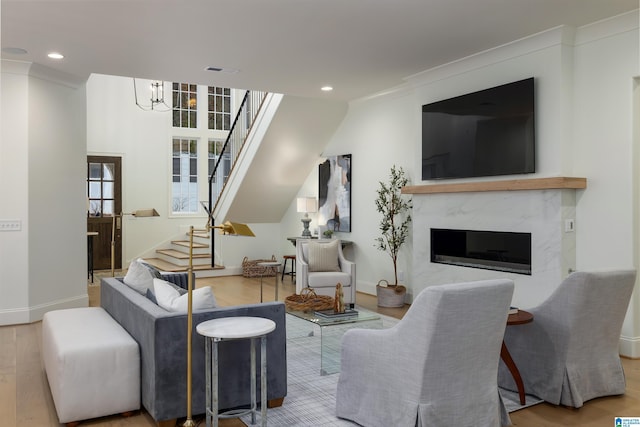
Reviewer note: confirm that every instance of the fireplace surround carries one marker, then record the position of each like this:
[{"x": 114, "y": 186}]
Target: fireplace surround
[{"x": 539, "y": 206}]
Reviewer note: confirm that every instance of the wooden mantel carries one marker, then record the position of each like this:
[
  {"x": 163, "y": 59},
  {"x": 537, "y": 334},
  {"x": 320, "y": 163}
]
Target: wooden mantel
[{"x": 508, "y": 185}]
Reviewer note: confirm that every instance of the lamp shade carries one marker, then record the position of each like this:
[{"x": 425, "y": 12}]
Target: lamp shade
[
  {"x": 235, "y": 229},
  {"x": 144, "y": 213},
  {"x": 307, "y": 204}
]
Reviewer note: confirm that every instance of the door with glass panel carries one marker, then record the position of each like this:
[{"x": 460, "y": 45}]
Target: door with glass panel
[{"x": 104, "y": 200}]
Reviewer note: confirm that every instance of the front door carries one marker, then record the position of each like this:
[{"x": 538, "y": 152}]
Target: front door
[{"x": 104, "y": 204}]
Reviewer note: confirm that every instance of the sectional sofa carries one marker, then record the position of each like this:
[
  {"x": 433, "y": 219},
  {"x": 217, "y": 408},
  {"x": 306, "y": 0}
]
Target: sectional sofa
[{"x": 162, "y": 338}]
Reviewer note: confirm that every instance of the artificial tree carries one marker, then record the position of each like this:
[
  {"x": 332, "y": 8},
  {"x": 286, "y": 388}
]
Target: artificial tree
[{"x": 394, "y": 225}]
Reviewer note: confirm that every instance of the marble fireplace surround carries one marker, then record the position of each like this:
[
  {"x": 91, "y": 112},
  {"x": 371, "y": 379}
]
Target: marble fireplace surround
[{"x": 540, "y": 206}]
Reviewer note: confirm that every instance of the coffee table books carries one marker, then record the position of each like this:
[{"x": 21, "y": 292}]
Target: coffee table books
[{"x": 331, "y": 314}]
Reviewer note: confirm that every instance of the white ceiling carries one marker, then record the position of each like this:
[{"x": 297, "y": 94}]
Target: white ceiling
[{"x": 293, "y": 47}]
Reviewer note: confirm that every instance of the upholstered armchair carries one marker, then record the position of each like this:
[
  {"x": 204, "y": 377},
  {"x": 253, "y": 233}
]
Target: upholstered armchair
[
  {"x": 569, "y": 353},
  {"x": 437, "y": 367},
  {"x": 321, "y": 265}
]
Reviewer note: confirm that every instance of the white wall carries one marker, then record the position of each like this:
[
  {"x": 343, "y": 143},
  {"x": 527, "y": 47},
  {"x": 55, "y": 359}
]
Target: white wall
[
  {"x": 42, "y": 164},
  {"x": 14, "y": 256},
  {"x": 603, "y": 142}
]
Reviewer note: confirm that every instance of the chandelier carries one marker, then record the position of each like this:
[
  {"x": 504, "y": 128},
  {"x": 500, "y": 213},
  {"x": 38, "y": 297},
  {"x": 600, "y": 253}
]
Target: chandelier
[{"x": 156, "y": 97}]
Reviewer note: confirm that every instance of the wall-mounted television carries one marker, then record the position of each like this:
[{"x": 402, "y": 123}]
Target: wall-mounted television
[{"x": 486, "y": 133}]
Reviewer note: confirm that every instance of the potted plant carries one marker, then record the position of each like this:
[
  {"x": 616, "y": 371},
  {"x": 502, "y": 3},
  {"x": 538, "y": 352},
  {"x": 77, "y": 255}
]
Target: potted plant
[
  {"x": 327, "y": 233},
  {"x": 394, "y": 227}
]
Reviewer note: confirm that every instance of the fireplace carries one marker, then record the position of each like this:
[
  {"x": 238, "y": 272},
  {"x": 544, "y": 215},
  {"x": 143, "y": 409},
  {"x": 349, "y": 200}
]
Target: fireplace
[{"x": 490, "y": 250}]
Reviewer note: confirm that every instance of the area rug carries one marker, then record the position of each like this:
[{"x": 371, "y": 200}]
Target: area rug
[{"x": 310, "y": 399}]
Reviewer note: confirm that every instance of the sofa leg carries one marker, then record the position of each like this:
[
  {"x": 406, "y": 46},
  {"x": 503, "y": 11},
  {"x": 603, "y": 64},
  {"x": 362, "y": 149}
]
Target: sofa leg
[
  {"x": 167, "y": 423},
  {"x": 275, "y": 403},
  {"x": 73, "y": 424},
  {"x": 128, "y": 414}
]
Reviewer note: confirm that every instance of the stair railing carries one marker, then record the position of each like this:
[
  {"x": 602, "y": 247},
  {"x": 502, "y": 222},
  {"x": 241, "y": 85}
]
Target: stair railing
[{"x": 227, "y": 157}]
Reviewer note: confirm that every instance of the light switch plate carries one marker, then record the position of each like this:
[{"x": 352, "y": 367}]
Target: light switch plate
[{"x": 569, "y": 225}]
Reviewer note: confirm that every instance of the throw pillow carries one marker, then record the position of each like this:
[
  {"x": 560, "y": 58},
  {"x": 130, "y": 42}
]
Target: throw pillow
[
  {"x": 171, "y": 300},
  {"x": 138, "y": 277},
  {"x": 324, "y": 256},
  {"x": 152, "y": 296},
  {"x": 154, "y": 271}
]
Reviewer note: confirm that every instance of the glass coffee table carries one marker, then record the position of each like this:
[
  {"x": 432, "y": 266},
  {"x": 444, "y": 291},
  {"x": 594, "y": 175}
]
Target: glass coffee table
[{"x": 331, "y": 331}]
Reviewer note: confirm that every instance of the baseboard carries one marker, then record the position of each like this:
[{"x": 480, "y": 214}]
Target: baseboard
[
  {"x": 35, "y": 313},
  {"x": 227, "y": 271},
  {"x": 630, "y": 347}
]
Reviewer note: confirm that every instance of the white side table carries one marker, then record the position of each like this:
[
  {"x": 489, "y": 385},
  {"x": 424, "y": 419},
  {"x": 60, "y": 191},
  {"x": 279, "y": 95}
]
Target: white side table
[
  {"x": 266, "y": 265},
  {"x": 235, "y": 328}
]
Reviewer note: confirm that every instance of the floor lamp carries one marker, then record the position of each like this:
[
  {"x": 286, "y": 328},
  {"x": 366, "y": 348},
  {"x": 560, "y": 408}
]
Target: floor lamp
[
  {"x": 229, "y": 229},
  {"x": 141, "y": 213}
]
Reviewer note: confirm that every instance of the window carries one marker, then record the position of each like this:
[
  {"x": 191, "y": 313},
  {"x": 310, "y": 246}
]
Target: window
[
  {"x": 219, "y": 111},
  {"x": 100, "y": 188},
  {"x": 185, "y": 105},
  {"x": 215, "y": 148},
  {"x": 184, "y": 187}
]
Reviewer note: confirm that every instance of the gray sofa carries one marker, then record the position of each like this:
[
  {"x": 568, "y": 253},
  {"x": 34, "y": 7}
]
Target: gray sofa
[{"x": 161, "y": 336}]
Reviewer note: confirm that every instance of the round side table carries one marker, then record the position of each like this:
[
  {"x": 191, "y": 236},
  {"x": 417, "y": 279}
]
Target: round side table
[
  {"x": 267, "y": 265},
  {"x": 520, "y": 318},
  {"x": 235, "y": 328}
]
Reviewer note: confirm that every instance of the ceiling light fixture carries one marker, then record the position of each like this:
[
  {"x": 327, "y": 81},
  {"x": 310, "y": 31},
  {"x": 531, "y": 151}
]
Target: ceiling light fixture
[
  {"x": 55, "y": 55},
  {"x": 156, "y": 98},
  {"x": 326, "y": 88}
]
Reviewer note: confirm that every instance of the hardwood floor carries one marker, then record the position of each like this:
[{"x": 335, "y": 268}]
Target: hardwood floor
[{"x": 25, "y": 399}]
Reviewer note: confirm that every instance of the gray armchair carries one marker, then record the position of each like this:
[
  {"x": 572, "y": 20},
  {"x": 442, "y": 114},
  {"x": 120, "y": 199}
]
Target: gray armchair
[
  {"x": 321, "y": 265},
  {"x": 437, "y": 367},
  {"x": 569, "y": 353}
]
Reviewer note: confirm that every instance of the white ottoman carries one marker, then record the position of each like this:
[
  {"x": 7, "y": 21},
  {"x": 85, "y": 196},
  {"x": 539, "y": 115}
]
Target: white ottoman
[{"x": 92, "y": 363}]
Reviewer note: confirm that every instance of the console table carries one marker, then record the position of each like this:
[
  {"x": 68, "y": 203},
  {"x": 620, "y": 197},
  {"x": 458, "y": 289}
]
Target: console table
[{"x": 293, "y": 240}]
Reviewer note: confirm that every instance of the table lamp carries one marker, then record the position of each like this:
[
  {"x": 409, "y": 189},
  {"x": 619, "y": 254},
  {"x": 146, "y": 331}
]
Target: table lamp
[{"x": 306, "y": 205}]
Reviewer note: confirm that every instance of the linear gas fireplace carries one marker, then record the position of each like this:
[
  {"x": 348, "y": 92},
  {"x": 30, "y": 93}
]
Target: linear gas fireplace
[{"x": 491, "y": 250}]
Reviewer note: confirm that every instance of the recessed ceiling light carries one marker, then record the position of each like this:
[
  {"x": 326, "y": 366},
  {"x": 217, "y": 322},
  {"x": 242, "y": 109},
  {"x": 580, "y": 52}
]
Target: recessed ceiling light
[
  {"x": 55, "y": 55},
  {"x": 14, "y": 50},
  {"x": 326, "y": 88}
]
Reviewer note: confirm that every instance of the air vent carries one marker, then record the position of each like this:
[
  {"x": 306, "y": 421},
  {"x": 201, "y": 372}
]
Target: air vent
[{"x": 221, "y": 70}]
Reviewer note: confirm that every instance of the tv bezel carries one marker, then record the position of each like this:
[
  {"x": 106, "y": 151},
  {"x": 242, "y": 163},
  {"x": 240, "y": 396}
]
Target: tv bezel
[{"x": 531, "y": 147}]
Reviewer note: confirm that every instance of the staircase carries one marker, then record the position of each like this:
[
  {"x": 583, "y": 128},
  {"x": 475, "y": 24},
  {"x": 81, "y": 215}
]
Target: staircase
[{"x": 176, "y": 257}]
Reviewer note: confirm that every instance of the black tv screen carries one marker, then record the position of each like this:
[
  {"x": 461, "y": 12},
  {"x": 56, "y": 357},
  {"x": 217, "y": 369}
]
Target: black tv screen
[{"x": 485, "y": 133}]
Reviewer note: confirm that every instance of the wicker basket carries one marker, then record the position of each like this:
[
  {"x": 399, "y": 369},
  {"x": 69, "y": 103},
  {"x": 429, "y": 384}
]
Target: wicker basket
[
  {"x": 250, "y": 268},
  {"x": 390, "y": 296},
  {"x": 307, "y": 300}
]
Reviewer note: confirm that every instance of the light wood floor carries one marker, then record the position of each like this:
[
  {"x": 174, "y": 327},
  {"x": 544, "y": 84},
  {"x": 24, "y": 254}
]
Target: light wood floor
[{"x": 25, "y": 399}]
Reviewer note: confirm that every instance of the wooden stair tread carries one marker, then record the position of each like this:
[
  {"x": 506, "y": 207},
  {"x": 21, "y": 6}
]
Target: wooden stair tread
[
  {"x": 180, "y": 255},
  {"x": 201, "y": 235},
  {"x": 163, "y": 265},
  {"x": 185, "y": 243}
]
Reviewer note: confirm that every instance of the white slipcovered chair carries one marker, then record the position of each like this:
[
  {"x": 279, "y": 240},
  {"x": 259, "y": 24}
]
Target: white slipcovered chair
[
  {"x": 569, "y": 353},
  {"x": 437, "y": 367},
  {"x": 321, "y": 265}
]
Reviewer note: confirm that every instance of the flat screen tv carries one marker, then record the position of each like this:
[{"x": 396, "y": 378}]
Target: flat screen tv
[{"x": 485, "y": 133}]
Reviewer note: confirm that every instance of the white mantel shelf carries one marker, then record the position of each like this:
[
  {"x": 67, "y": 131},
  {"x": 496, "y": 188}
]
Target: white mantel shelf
[{"x": 508, "y": 185}]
